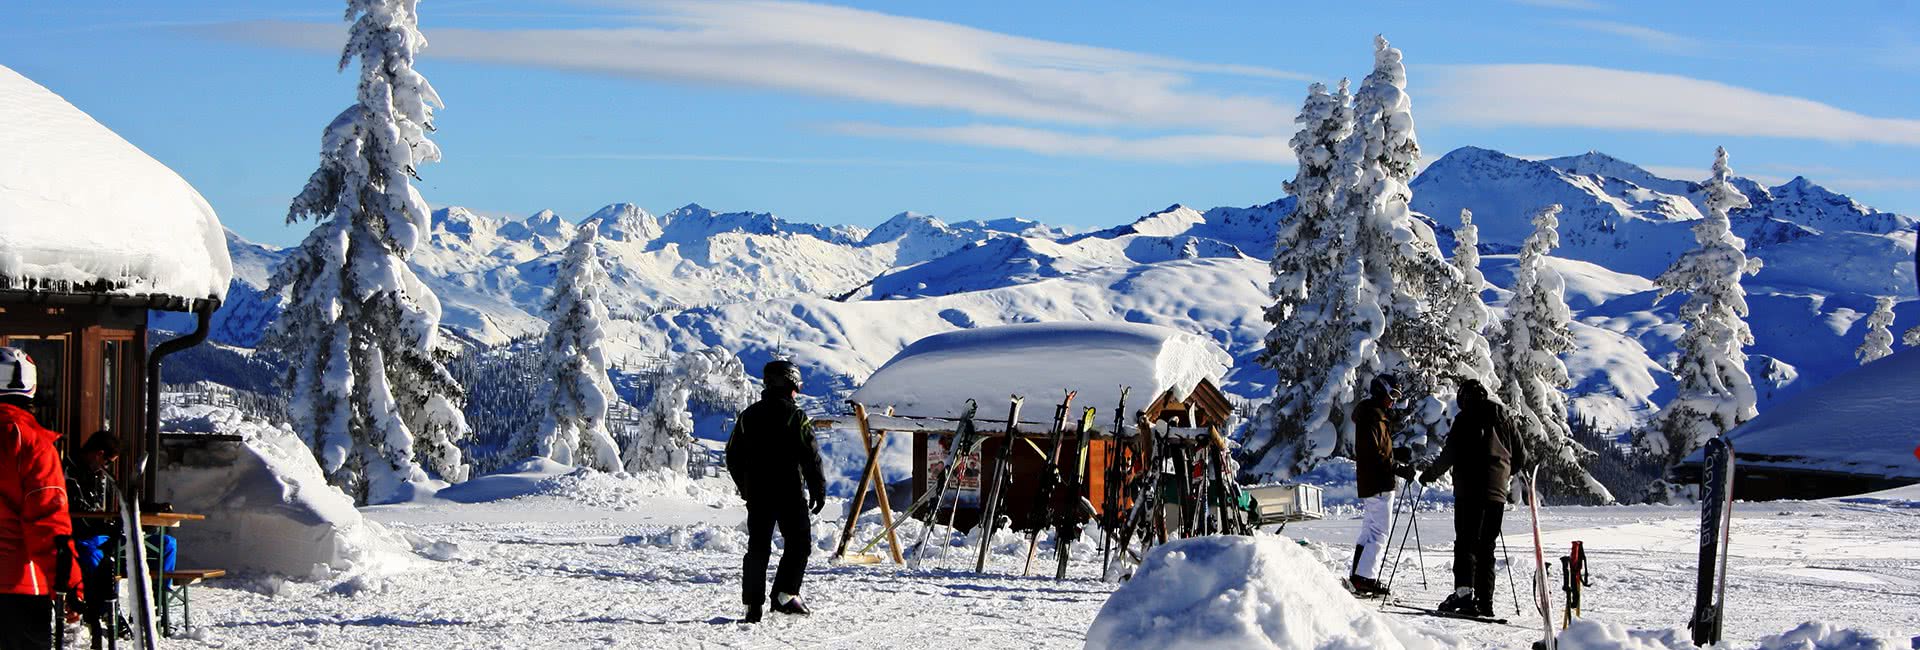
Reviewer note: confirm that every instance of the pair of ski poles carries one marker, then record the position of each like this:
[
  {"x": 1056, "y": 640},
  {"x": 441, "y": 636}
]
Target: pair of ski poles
[{"x": 1412, "y": 501}]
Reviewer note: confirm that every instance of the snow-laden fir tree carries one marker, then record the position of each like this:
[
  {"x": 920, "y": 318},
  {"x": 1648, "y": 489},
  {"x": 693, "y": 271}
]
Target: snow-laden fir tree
[
  {"x": 663, "y": 438},
  {"x": 1714, "y": 393},
  {"x": 1376, "y": 308},
  {"x": 1470, "y": 315},
  {"x": 1879, "y": 339},
  {"x": 1533, "y": 379},
  {"x": 1310, "y": 319},
  {"x": 574, "y": 431},
  {"x": 358, "y": 332}
]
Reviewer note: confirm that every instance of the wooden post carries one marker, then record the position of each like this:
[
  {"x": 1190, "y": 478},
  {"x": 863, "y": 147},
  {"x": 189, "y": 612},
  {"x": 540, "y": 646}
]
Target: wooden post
[
  {"x": 859, "y": 490},
  {"x": 876, "y": 441}
]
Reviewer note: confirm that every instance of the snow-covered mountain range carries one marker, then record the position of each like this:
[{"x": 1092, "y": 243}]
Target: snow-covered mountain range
[{"x": 843, "y": 299}]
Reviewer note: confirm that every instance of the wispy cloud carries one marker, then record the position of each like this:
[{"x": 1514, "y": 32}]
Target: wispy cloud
[
  {"x": 1175, "y": 149},
  {"x": 1645, "y": 36},
  {"x": 781, "y": 160},
  {"x": 1543, "y": 95},
  {"x": 860, "y": 55}
]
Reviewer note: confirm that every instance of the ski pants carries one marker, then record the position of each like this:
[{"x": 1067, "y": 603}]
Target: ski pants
[
  {"x": 1476, "y": 528},
  {"x": 26, "y": 622},
  {"x": 796, "y": 531},
  {"x": 91, "y": 553},
  {"x": 1375, "y": 518}
]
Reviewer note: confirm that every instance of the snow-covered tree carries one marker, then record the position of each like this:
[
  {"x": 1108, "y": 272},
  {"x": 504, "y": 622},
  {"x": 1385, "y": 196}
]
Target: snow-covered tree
[
  {"x": 1380, "y": 271},
  {"x": 1714, "y": 392},
  {"x": 1470, "y": 317},
  {"x": 1533, "y": 379},
  {"x": 1310, "y": 319},
  {"x": 1912, "y": 337},
  {"x": 575, "y": 428},
  {"x": 359, "y": 329},
  {"x": 664, "y": 438},
  {"x": 1879, "y": 339}
]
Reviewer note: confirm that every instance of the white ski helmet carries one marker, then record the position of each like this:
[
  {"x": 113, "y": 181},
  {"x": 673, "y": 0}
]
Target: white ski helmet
[{"x": 17, "y": 373}]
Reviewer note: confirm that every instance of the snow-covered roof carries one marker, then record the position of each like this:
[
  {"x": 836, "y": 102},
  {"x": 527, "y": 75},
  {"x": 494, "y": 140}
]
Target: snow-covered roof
[
  {"x": 1861, "y": 422},
  {"x": 80, "y": 206},
  {"x": 935, "y": 376}
]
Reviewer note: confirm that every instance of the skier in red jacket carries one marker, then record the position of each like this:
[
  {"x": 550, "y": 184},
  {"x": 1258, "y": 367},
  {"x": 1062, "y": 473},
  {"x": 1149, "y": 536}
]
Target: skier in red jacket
[{"x": 33, "y": 512}]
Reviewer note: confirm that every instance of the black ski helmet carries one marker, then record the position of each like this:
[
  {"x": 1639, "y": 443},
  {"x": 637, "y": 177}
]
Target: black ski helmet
[
  {"x": 1472, "y": 391},
  {"x": 781, "y": 375},
  {"x": 1384, "y": 386}
]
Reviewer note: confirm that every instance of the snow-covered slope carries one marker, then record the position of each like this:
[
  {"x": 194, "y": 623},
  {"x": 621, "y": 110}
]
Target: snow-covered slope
[
  {"x": 844, "y": 299},
  {"x": 1861, "y": 423}
]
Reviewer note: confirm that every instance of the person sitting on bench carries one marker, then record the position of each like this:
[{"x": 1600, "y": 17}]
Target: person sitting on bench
[{"x": 90, "y": 489}]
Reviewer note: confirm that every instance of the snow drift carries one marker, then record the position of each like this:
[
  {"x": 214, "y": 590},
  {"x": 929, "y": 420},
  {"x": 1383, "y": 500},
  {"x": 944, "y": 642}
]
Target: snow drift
[
  {"x": 1243, "y": 592},
  {"x": 1587, "y": 634},
  {"x": 935, "y": 376},
  {"x": 1858, "y": 423},
  {"x": 79, "y": 205},
  {"x": 268, "y": 507}
]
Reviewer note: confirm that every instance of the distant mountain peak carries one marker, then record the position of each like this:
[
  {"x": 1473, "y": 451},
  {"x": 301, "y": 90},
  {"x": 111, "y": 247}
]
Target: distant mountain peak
[{"x": 624, "y": 222}]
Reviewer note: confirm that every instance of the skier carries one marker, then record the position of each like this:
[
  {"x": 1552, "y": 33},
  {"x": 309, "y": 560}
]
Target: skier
[
  {"x": 90, "y": 489},
  {"x": 1374, "y": 471},
  {"x": 33, "y": 512},
  {"x": 1483, "y": 452},
  {"x": 771, "y": 453}
]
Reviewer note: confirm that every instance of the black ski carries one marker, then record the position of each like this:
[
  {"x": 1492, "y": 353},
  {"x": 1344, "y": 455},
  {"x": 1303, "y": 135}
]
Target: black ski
[
  {"x": 1428, "y": 611},
  {"x": 1716, "y": 518},
  {"x": 958, "y": 446},
  {"x": 1076, "y": 511},
  {"x": 1049, "y": 478},
  {"x": 990, "y": 497},
  {"x": 1116, "y": 476}
]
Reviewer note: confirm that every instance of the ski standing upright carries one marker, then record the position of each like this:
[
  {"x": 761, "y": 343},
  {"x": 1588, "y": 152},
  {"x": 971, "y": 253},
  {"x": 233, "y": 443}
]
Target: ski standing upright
[
  {"x": 1542, "y": 597},
  {"x": 990, "y": 506},
  {"x": 1716, "y": 519}
]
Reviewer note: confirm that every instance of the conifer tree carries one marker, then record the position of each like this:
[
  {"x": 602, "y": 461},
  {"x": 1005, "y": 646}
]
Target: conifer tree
[
  {"x": 367, "y": 390},
  {"x": 1879, "y": 338},
  {"x": 575, "y": 428},
  {"x": 1714, "y": 391},
  {"x": 1533, "y": 379}
]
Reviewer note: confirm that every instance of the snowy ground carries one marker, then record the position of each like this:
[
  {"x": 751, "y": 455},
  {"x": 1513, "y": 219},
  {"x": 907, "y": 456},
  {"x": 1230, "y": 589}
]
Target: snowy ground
[{"x": 609, "y": 571}]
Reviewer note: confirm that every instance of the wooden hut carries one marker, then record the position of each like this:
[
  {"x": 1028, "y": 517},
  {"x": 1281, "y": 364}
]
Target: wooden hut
[
  {"x": 1166, "y": 378},
  {"x": 94, "y": 234}
]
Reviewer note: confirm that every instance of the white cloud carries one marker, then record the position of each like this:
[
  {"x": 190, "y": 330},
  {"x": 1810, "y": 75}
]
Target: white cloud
[
  {"x": 1544, "y": 95},
  {"x": 1177, "y": 149},
  {"x": 1646, "y": 36},
  {"x": 861, "y": 55}
]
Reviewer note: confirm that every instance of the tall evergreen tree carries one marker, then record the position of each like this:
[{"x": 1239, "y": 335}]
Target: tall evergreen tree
[
  {"x": 1470, "y": 318},
  {"x": 1879, "y": 338},
  {"x": 575, "y": 428},
  {"x": 1714, "y": 391},
  {"x": 1310, "y": 318},
  {"x": 1533, "y": 379},
  {"x": 664, "y": 438},
  {"x": 359, "y": 329}
]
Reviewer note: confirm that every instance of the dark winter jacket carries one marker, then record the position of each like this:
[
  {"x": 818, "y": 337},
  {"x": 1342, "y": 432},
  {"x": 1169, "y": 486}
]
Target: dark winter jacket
[
  {"x": 1482, "y": 450},
  {"x": 88, "y": 491},
  {"x": 772, "y": 452},
  {"x": 1372, "y": 447}
]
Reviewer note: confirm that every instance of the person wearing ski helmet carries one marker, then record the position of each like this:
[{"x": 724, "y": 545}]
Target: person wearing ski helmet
[
  {"x": 33, "y": 513},
  {"x": 1375, "y": 467},
  {"x": 775, "y": 462},
  {"x": 1483, "y": 452}
]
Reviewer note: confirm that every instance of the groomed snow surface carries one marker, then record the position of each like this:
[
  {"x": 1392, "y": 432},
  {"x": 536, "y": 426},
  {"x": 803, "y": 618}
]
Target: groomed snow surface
[
  {"x": 78, "y": 205},
  {"x": 544, "y": 556}
]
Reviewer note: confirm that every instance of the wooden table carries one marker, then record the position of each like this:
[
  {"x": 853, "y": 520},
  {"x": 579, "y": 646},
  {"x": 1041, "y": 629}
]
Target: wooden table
[{"x": 147, "y": 519}]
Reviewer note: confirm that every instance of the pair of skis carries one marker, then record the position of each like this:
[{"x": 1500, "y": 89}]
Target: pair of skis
[
  {"x": 146, "y": 631},
  {"x": 1049, "y": 478}
]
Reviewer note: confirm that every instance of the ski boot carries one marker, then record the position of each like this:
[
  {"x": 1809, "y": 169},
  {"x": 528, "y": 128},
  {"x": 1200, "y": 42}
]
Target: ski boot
[
  {"x": 1457, "y": 604},
  {"x": 753, "y": 614},
  {"x": 790, "y": 604}
]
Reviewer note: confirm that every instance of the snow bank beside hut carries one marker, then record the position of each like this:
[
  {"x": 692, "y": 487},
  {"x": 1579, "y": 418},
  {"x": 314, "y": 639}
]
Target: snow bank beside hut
[
  {"x": 269, "y": 508},
  {"x": 935, "y": 376},
  {"x": 80, "y": 205},
  {"x": 1262, "y": 592}
]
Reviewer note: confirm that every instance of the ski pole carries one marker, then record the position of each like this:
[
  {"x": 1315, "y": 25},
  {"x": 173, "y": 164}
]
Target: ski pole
[
  {"x": 1512, "y": 587},
  {"x": 1419, "y": 548},
  {"x": 1401, "y": 552}
]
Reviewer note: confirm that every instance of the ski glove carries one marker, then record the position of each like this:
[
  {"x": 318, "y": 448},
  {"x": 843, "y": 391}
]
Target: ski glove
[
  {"x": 1404, "y": 471},
  {"x": 817, "y": 501}
]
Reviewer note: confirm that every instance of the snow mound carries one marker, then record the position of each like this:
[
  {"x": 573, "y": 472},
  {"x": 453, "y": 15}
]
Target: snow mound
[
  {"x": 622, "y": 491},
  {"x": 516, "y": 480},
  {"x": 1244, "y": 592},
  {"x": 79, "y": 205},
  {"x": 935, "y": 376},
  {"x": 1859, "y": 422},
  {"x": 269, "y": 508},
  {"x": 1588, "y": 634}
]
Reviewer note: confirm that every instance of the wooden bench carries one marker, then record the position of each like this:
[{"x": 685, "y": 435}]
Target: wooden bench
[{"x": 174, "y": 590}]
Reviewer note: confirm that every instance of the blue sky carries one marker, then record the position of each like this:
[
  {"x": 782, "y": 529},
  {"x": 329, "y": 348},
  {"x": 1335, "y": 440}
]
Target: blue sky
[{"x": 849, "y": 113}]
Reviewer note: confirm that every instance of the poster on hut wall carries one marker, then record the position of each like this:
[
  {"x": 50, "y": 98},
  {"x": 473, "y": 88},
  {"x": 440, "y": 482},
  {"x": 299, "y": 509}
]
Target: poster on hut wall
[{"x": 966, "y": 481}]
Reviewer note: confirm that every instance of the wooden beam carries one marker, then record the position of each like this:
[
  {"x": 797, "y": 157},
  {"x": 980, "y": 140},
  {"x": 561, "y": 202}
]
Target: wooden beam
[{"x": 859, "y": 490}]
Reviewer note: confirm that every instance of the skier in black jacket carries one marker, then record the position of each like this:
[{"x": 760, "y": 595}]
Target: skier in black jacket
[
  {"x": 1483, "y": 451},
  {"x": 771, "y": 453}
]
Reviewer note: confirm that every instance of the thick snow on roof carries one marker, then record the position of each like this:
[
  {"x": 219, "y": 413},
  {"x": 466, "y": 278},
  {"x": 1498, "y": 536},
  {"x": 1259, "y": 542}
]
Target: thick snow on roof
[
  {"x": 80, "y": 205},
  {"x": 935, "y": 376},
  {"x": 1861, "y": 422}
]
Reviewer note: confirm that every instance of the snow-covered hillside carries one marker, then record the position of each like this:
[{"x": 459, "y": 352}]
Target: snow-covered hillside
[{"x": 843, "y": 300}]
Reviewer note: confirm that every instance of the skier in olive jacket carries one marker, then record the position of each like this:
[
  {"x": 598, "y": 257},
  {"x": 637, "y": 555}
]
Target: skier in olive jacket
[
  {"x": 1483, "y": 451},
  {"x": 1375, "y": 467},
  {"x": 771, "y": 454}
]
